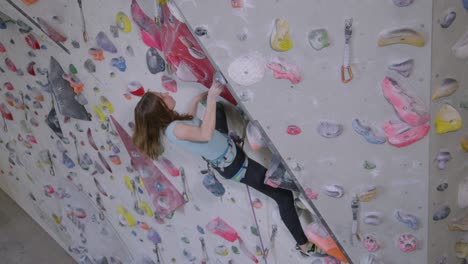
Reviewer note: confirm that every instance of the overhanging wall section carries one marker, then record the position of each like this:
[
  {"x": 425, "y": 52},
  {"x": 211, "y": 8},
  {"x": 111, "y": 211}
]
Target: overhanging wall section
[{"x": 181, "y": 232}]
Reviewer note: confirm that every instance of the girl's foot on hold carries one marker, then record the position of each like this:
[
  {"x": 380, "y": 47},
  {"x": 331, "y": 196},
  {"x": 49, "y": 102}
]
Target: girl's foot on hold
[{"x": 310, "y": 249}]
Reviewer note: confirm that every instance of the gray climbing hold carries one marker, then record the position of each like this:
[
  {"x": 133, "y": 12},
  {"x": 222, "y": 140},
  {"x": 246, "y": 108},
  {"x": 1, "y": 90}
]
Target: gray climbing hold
[
  {"x": 329, "y": 129},
  {"x": 403, "y": 68}
]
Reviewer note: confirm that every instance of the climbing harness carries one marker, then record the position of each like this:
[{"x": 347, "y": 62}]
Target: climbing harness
[{"x": 346, "y": 71}]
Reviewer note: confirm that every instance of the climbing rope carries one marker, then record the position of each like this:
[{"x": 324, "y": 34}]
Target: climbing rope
[{"x": 250, "y": 201}]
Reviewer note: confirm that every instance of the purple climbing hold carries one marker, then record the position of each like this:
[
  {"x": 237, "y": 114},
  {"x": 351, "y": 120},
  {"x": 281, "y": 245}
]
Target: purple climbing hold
[
  {"x": 67, "y": 161},
  {"x": 105, "y": 43},
  {"x": 153, "y": 236},
  {"x": 402, "y": 3}
]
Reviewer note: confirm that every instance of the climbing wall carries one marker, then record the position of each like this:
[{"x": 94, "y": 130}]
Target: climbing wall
[
  {"x": 67, "y": 107},
  {"x": 447, "y": 154},
  {"x": 364, "y": 138}
]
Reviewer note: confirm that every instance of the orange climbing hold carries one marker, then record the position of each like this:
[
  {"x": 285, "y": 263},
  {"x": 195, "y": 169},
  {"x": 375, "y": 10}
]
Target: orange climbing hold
[
  {"x": 29, "y": 2},
  {"x": 318, "y": 235}
]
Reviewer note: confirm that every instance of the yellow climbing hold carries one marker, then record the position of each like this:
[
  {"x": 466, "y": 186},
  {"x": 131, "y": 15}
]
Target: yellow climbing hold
[
  {"x": 57, "y": 219},
  {"x": 464, "y": 143},
  {"x": 147, "y": 208},
  {"x": 368, "y": 194},
  {"x": 461, "y": 249},
  {"x": 280, "y": 38},
  {"x": 141, "y": 183},
  {"x": 99, "y": 113},
  {"x": 402, "y": 36},
  {"x": 123, "y": 22},
  {"x": 128, "y": 182},
  {"x": 106, "y": 104},
  {"x": 127, "y": 216},
  {"x": 447, "y": 119}
]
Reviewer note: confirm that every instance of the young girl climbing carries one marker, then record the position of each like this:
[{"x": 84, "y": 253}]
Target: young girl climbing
[{"x": 155, "y": 116}]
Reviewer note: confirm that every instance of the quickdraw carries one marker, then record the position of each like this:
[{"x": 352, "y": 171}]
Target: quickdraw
[{"x": 346, "y": 71}]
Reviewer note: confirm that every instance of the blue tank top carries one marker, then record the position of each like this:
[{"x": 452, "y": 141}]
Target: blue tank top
[{"x": 211, "y": 150}]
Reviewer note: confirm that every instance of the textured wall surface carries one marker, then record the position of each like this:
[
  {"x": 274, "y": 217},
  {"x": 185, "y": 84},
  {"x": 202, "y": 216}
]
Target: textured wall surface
[
  {"x": 94, "y": 211},
  {"x": 445, "y": 65},
  {"x": 403, "y": 177},
  {"x": 84, "y": 206}
]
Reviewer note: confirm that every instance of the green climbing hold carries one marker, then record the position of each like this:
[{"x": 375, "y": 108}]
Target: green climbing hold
[
  {"x": 186, "y": 240},
  {"x": 253, "y": 230},
  {"x": 169, "y": 216},
  {"x": 72, "y": 69},
  {"x": 369, "y": 165},
  {"x": 235, "y": 250}
]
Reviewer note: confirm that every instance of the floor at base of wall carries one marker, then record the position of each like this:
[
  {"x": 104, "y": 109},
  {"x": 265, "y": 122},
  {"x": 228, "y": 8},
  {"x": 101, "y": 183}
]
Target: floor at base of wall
[{"x": 23, "y": 241}]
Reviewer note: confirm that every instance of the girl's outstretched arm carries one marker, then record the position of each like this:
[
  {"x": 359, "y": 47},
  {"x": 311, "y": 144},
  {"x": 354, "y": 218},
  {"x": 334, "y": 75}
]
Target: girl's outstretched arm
[
  {"x": 205, "y": 131},
  {"x": 194, "y": 103}
]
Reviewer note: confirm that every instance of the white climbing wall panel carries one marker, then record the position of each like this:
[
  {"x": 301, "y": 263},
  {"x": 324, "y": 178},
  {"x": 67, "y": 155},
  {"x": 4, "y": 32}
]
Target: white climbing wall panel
[
  {"x": 446, "y": 65},
  {"x": 109, "y": 233},
  {"x": 406, "y": 179},
  {"x": 401, "y": 174}
]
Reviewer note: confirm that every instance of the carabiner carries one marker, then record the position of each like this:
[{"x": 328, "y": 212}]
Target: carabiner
[{"x": 344, "y": 78}]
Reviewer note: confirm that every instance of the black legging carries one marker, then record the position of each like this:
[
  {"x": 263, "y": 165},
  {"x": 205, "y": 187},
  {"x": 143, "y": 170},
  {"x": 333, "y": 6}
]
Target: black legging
[{"x": 255, "y": 177}]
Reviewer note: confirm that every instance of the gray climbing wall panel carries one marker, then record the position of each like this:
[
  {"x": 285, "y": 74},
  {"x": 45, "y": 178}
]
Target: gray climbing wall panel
[
  {"x": 400, "y": 178},
  {"x": 444, "y": 182},
  {"x": 88, "y": 208},
  {"x": 397, "y": 187}
]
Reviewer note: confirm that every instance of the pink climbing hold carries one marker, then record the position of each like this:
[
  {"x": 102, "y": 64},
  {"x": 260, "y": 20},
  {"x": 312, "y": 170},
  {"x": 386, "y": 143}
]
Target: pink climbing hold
[
  {"x": 293, "y": 130},
  {"x": 400, "y": 134},
  {"x": 169, "y": 84},
  {"x": 2, "y": 48},
  {"x": 150, "y": 34},
  {"x": 10, "y": 65},
  {"x": 407, "y": 243},
  {"x": 370, "y": 243},
  {"x": 409, "y": 108},
  {"x": 188, "y": 64},
  {"x": 50, "y": 31},
  {"x": 311, "y": 194},
  {"x": 9, "y": 86},
  {"x": 169, "y": 167},
  {"x": 237, "y": 3},
  {"x": 32, "y": 42},
  {"x": 31, "y": 139},
  {"x": 285, "y": 70},
  {"x": 219, "y": 227},
  {"x": 31, "y": 69}
]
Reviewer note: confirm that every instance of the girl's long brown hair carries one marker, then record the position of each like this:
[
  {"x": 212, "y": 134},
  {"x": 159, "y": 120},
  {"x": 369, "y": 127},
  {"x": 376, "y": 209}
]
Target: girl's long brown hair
[{"x": 152, "y": 117}]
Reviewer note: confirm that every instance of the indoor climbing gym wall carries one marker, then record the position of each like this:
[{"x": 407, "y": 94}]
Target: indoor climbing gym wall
[
  {"x": 357, "y": 107},
  {"x": 71, "y": 75},
  {"x": 448, "y": 167},
  {"x": 344, "y": 94}
]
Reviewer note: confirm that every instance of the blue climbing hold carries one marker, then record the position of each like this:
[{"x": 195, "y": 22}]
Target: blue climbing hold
[
  {"x": 213, "y": 185},
  {"x": 367, "y": 132},
  {"x": 119, "y": 63}
]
